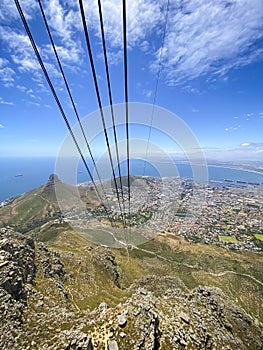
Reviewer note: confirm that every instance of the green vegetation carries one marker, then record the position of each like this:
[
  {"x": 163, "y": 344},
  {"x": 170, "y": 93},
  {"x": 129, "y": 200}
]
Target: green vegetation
[
  {"x": 228, "y": 239},
  {"x": 167, "y": 255},
  {"x": 259, "y": 236},
  {"x": 39, "y": 206},
  {"x": 89, "y": 282}
]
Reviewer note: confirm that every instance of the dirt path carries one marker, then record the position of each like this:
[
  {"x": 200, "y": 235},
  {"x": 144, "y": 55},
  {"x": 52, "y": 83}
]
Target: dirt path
[{"x": 195, "y": 267}]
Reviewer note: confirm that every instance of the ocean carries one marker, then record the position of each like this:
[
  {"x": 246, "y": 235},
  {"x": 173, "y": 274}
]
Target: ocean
[{"x": 19, "y": 175}]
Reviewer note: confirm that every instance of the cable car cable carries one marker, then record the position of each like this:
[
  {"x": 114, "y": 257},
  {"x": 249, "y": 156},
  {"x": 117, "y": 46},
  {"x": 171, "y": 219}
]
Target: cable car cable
[
  {"x": 110, "y": 96},
  {"x": 85, "y": 27},
  {"x": 70, "y": 96},
  {"x": 157, "y": 83},
  {"x": 126, "y": 96},
  {"x": 33, "y": 44}
]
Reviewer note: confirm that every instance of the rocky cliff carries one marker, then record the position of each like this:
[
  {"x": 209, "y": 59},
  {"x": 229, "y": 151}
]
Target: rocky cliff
[{"x": 39, "y": 310}]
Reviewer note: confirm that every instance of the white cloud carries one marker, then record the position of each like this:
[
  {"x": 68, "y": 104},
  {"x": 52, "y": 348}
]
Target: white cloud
[
  {"x": 63, "y": 20},
  {"x": 19, "y": 45},
  {"x": 147, "y": 93},
  {"x": 3, "y": 62},
  {"x": 7, "y": 76},
  {"x": 233, "y": 128},
  {"x": 211, "y": 37},
  {"x": 70, "y": 56},
  {"x": 16, "y": 41},
  {"x": 143, "y": 19},
  {"x": 31, "y": 103},
  {"x": 1, "y": 126},
  {"x": 8, "y": 10},
  {"x": 25, "y": 63},
  {"x": 21, "y": 88},
  {"x": 231, "y": 154},
  {"x": 63, "y": 25},
  {"x": 257, "y": 145},
  {"x": 204, "y": 37},
  {"x": 23, "y": 57},
  {"x": 3, "y": 102},
  {"x": 6, "y": 73}
]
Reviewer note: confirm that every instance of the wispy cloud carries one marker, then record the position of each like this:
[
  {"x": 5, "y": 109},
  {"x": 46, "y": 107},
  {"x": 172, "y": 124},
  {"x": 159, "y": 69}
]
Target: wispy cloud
[
  {"x": 8, "y": 11},
  {"x": 257, "y": 145},
  {"x": 233, "y": 128},
  {"x": 65, "y": 23},
  {"x": 31, "y": 103},
  {"x": 3, "y": 102},
  {"x": 212, "y": 37},
  {"x": 67, "y": 55},
  {"x": 18, "y": 45},
  {"x": 238, "y": 153},
  {"x": 6, "y": 73},
  {"x": 147, "y": 93},
  {"x": 143, "y": 16},
  {"x": 253, "y": 147},
  {"x": 1, "y": 126},
  {"x": 204, "y": 37}
]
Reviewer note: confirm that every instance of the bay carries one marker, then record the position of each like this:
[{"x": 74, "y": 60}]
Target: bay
[{"x": 35, "y": 172}]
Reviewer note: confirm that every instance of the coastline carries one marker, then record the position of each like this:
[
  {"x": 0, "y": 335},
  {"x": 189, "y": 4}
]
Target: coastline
[
  {"x": 32, "y": 179},
  {"x": 237, "y": 168}
]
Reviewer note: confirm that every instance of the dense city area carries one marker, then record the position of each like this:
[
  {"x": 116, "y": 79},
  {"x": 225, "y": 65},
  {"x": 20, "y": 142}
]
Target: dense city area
[{"x": 219, "y": 214}]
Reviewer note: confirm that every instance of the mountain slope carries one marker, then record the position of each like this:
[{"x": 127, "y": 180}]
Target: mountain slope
[
  {"x": 60, "y": 291},
  {"x": 50, "y": 308},
  {"x": 40, "y": 205}
]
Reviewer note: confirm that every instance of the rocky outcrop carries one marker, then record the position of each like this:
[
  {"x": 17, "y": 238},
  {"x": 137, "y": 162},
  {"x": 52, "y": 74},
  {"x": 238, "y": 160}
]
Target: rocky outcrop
[
  {"x": 20, "y": 261},
  {"x": 50, "y": 263},
  {"x": 52, "y": 182},
  {"x": 105, "y": 260},
  {"x": 16, "y": 263},
  {"x": 204, "y": 318},
  {"x": 178, "y": 318},
  {"x": 159, "y": 284},
  {"x": 74, "y": 340},
  {"x": 17, "y": 270},
  {"x": 38, "y": 310}
]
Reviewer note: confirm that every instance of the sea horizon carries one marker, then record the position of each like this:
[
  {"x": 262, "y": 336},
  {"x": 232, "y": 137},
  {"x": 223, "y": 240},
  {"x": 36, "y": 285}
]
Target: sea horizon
[{"x": 22, "y": 174}]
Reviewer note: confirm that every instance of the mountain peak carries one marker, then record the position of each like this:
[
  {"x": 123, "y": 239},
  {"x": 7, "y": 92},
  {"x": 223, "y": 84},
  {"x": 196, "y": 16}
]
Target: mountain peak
[
  {"x": 52, "y": 181},
  {"x": 53, "y": 178}
]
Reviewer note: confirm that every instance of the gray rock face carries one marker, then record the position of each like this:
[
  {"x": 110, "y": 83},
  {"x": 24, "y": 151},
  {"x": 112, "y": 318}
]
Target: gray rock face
[
  {"x": 122, "y": 320},
  {"x": 17, "y": 279},
  {"x": 52, "y": 181},
  {"x": 50, "y": 263},
  {"x": 113, "y": 345},
  {"x": 161, "y": 313},
  {"x": 105, "y": 259},
  {"x": 202, "y": 318},
  {"x": 79, "y": 341},
  {"x": 17, "y": 269},
  {"x": 16, "y": 263}
]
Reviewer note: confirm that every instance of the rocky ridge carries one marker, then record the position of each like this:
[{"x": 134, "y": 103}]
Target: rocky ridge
[{"x": 38, "y": 310}]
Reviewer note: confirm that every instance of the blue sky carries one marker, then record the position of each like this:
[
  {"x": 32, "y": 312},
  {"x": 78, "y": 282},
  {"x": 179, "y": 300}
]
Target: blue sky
[{"x": 211, "y": 77}]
